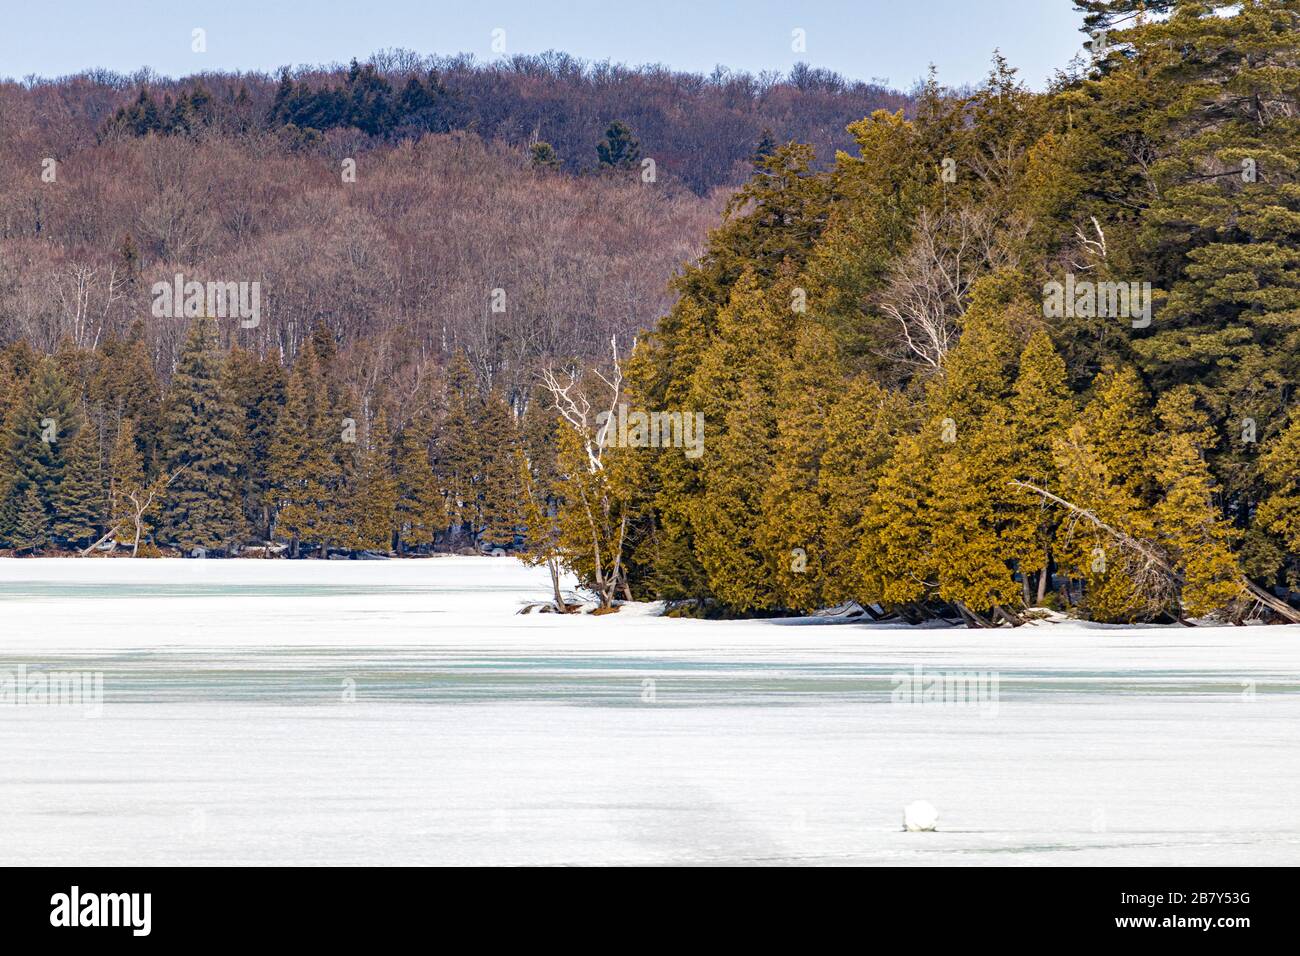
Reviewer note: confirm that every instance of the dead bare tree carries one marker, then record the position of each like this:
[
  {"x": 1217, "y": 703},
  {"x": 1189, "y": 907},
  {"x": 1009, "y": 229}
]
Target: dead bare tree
[
  {"x": 142, "y": 500},
  {"x": 927, "y": 288},
  {"x": 570, "y": 399},
  {"x": 594, "y": 530}
]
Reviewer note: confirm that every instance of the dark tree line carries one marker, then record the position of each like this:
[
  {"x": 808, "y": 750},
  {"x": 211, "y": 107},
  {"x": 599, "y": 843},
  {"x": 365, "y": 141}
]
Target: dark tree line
[{"x": 701, "y": 130}]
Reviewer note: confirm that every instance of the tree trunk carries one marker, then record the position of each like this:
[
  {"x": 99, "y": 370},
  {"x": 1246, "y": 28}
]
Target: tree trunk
[
  {"x": 1000, "y": 611},
  {"x": 554, "y": 566},
  {"x": 971, "y": 618},
  {"x": 87, "y": 550}
]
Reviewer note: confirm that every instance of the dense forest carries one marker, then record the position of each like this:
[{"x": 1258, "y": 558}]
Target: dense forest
[
  {"x": 700, "y": 130},
  {"x": 387, "y": 200},
  {"x": 1013, "y": 349},
  {"x": 903, "y": 412}
]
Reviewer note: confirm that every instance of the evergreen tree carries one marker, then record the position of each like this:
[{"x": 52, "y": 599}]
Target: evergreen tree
[
  {"x": 78, "y": 502},
  {"x": 896, "y": 563},
  {"x": 542, "y": 155},
  {"x": 619, "y": 149},
  {"x": 300, "y": 464},
  {"x": 1121, "y": 426},
  {"x": 542, "y": 541},
  {"x": 202, "y": 450},
  {"x": 257, "y": 386},
  {"x": 460, "y": 448},
  {"x": 734, "y": 389},
  {"x": 793, "y": 505},
  {"x": 862, "y": 427},
  {"x": 765, "y": 148},
  {"x": 498, "y": 513},
  {"x": 32, "y": 523},
  {"x": 421, "y": 511},
  {"x": 728, "y": 517},
  {"x": 1105, "y": 466},
  {"x": 1191, "y": 529},
  {"x": 39, "y": 426},
  {"x": 125, "y": 386},
  {"x": 1279, "y": 511},
  {"x": 374, "y": 497},
  {"x": 129, "y": 504},
  {"x": 1120, "y": 583},
  {"x": 1041, "y": 411},
  {"x": 969, "y": 503}
]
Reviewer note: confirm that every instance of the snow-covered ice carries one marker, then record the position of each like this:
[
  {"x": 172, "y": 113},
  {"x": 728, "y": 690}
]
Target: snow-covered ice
[{"x": 402, "y": 712}]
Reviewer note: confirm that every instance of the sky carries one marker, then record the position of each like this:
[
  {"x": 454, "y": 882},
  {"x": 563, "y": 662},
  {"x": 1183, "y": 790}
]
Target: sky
[{"x": 894, "y": 40}]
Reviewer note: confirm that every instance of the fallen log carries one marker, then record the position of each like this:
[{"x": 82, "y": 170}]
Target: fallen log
[{"x": 1278, "y": 606}]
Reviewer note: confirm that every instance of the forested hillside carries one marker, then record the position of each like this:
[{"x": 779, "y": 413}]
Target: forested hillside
[
  {"x": 388, "y": 199},
  {"x": 700, "y": 130},
  {"x": 1011, "y": 349},
  {"x": 1021, "y": 348}
]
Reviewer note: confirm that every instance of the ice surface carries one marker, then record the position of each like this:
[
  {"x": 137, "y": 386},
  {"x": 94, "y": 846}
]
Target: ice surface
[{"x": 402, "y": 712}]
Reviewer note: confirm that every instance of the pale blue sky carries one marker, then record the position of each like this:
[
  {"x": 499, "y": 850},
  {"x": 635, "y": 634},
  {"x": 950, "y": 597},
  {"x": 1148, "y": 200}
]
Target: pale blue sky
[{"x": 892, "y": 39}]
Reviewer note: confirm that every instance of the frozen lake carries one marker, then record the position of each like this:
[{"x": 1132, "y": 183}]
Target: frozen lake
[{"x": 402, "y": 712}]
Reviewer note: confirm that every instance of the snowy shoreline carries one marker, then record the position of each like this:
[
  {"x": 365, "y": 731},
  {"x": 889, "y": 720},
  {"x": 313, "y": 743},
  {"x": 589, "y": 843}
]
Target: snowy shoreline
[{"x": 69, "y": 604}]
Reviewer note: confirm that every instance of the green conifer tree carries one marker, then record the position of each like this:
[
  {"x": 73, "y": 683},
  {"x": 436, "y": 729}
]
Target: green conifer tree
[
  {"x": 39, "y": 426},
  {"x": 862, "y": 427},
  {"x": 32, "y": 523},
  {"x": 619, "y": 149},
  {"x": 792, "y": 504},
  {"x": 202, "y": 449},
  {"x": 421, "y": 511},
  {"x": 374, "y": 493},
  {"x": 1041, "y": 412},
  {"x": 78, "y": 502},
  {"x": 300, "y": 464},
  {"x": 498, "y": 512}
]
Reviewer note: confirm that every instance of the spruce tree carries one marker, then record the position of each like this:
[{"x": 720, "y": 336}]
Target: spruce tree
[
  {"x": 421, "y": 512},
  {"x": 300, "y": 463},
  {"x": 31, "y": 528},
  {"x": 459, "y": 449},
  {"x": 374, "y": 492},
  {"x": 257, "y": 387},
  {"x": 39, "y": 427},
  {"x": 78, "y": 503},
  {"x": 129, "y": 515},
  {"x": 497, "y": 512},
  {"x": 1279, "y": 511},
  {"x": 126, "y": 386},
  {"x": 203, "y": 431}
]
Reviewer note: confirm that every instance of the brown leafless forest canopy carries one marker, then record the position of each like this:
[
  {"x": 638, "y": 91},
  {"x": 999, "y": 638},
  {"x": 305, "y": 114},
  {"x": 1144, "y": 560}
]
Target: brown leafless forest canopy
[{"x": 446, "y": 207}]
